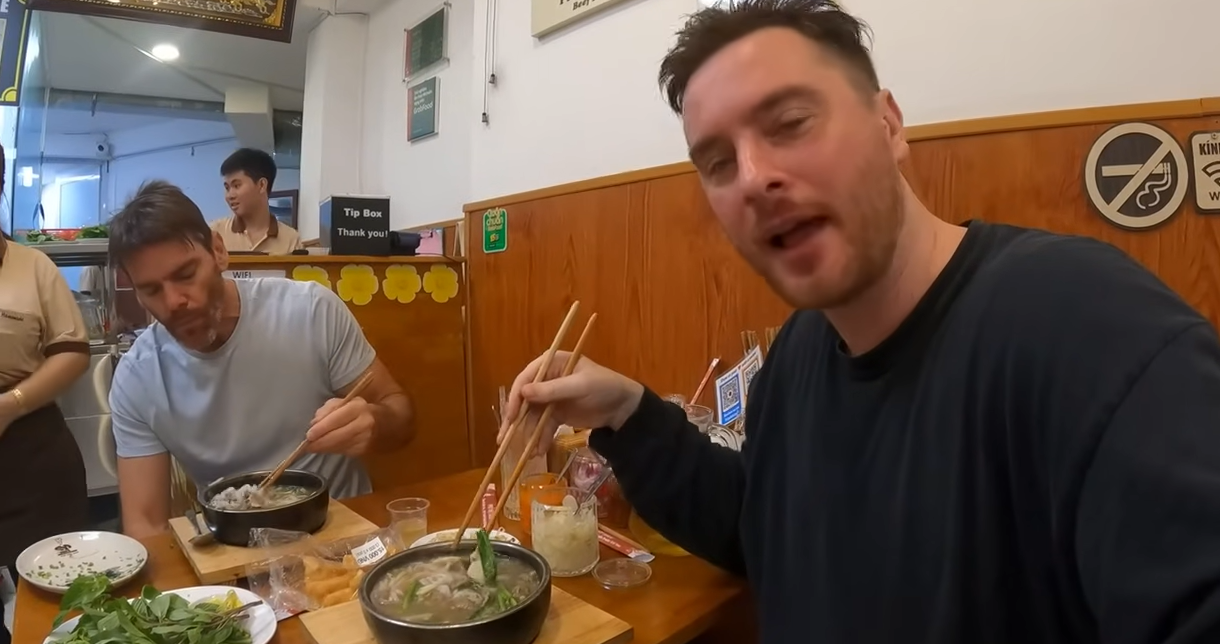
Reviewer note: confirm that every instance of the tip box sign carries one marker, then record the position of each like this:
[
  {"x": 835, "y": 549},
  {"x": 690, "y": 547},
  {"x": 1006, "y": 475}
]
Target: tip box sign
[
  {"x": 1205, "y": 152},
  {"x": 354, "y": 225}
]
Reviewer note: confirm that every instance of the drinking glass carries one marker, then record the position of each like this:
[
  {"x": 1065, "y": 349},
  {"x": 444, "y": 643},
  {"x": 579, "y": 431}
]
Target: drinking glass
[
  {"x": 699, "y": 416},
  {"x": 535, "y": 465},
  {"x": 530, "y": 484},
  {"x": 409, "y": 519},
  {"x": 565, "y": 533}
]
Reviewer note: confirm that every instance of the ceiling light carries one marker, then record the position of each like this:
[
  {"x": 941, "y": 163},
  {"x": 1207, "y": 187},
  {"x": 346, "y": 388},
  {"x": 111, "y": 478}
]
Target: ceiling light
[{"x": 165, "y": 52}]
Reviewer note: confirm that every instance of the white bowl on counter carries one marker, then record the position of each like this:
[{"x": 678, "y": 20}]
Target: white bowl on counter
[{"x": 470, "y": 535}]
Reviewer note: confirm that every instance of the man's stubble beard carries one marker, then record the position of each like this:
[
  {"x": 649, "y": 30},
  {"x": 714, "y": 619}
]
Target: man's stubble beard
[
  {"x": 214, "y": 312},
  {"x": 871, "y": 239}
]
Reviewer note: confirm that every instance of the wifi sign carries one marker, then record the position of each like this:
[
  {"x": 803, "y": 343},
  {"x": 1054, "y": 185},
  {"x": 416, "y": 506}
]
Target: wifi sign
[{"x": 1205, "y": 148}]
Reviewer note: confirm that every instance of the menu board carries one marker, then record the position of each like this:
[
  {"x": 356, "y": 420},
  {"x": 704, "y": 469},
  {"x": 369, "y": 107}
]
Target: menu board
[{"x": 427, "y": 43}]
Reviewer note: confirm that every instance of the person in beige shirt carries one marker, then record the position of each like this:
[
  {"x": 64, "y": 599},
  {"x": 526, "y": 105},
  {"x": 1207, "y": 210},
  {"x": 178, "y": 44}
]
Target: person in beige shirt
[
  {"x": 249, "y": 175},
  {"x": 44, "y": 348}
]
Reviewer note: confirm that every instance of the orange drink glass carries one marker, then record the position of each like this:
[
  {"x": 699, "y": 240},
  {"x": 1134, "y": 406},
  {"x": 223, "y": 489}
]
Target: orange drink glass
[{"x": 526, "y": 489}]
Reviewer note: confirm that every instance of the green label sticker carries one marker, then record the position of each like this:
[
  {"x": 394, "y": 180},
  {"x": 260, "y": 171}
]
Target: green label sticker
[{"x": 495, "y": 230}]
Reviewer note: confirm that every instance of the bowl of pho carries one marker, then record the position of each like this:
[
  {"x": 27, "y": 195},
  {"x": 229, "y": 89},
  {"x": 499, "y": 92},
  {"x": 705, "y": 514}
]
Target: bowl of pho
[
  {"x": 482, "y": 592},
  {"x": 234, "y": 505}
]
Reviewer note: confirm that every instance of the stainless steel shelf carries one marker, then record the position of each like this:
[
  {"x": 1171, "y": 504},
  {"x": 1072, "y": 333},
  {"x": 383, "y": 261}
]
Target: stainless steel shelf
[{"x": 90, "y": 252}]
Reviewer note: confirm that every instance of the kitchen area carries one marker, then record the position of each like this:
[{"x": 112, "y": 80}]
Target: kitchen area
[{"x": 85, "y": 265}]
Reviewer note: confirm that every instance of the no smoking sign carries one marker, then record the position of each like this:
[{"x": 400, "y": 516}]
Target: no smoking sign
[{"x": 1136, "y": 175}]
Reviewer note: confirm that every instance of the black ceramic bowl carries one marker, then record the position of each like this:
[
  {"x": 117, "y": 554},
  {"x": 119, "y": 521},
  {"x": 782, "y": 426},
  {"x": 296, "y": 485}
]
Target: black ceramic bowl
[
  {"x": 519, "y": 625},
  {"x": 233, "y": 527}
]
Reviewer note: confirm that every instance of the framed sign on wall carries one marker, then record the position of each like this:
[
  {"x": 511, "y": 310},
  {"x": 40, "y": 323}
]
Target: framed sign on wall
[
  {"x": 423, "y": 109},
  {"x": 547, "y": 16},
  {"x": 265, "y": 19},
  {"x": 426, "y": 45}
]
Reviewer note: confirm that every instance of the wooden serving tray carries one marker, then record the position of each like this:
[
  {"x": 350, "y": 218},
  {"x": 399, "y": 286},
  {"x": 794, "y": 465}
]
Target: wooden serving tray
[
  {"x": 218, "y": 563},
  {"x": 570, "y": 621}
]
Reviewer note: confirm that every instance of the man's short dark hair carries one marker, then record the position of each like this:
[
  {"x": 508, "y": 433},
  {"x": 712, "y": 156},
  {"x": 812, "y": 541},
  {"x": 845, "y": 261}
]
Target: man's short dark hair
[
  {"x": 255, "y": 163},
  {"x": 159, "y": 212},
  {"x": 710, "y": 30}
]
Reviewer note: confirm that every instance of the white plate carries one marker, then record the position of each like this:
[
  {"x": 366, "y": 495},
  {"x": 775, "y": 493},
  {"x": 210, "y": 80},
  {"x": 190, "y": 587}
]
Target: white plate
[
  {"x": 470, "y": 535},
  {"x": 55, "y": 562},
  {"x": 260, "y": 623}
]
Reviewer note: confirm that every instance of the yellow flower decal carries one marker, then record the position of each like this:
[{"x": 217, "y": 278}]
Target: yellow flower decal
[
  {"x": 442, "y": 282},
  {"x": 357, "y": 284},
  {"x": 401, "y": 283},
  {"x": 317, "y": 274}
]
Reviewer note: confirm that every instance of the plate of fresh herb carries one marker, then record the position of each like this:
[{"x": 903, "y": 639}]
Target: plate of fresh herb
[
  {"x": 199, "y": 615},
  {"x": 53, "y": 563}
]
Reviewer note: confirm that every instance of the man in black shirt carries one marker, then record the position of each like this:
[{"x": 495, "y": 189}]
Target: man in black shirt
[{"x": 969, "y": 434}]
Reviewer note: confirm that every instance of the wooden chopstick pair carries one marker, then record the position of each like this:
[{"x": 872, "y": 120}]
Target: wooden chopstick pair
[
  {"x": 536, "y": 435},
  {"x": 275, "y": 474}
]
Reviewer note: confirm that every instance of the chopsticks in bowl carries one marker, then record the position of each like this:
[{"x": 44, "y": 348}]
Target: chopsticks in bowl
[
  {"x": 275, "y": 474},
  {"x": 536, "y": 435},
  {"x": 515, "y": 426}
]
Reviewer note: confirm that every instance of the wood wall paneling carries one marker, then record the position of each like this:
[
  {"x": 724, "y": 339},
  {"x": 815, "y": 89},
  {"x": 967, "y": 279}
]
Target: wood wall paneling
[
  {"x": 643, "y": 250},
  {"x": 648, "y": 257},
  {"x": 423, "y": 345},
  {"x": 1034, "y": 178}
]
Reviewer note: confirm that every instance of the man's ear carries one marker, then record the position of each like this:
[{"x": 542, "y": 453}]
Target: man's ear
[
  {"x": 219, "y": 251},
  {"x": 891, "y": 117}
]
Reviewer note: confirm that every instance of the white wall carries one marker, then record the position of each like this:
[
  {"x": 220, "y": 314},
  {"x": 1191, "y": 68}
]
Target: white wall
[
  {"x": 584, "y": 102},
  {"x": 332, "y": 126},
  {"x": 580, "y": 103},
  {"x": 428, "y": 180}
]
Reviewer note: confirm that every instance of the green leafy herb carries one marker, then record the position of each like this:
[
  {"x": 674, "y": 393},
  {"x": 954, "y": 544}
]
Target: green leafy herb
[
  {"x": 40, "y": 237},
  {"x": 499, "y": 601},
  {"x": 412, "y": 592},
  {"x": 487, "y": 558},
  {"x": 93, "y": 232},
  {"x": 151, "y": 618}
]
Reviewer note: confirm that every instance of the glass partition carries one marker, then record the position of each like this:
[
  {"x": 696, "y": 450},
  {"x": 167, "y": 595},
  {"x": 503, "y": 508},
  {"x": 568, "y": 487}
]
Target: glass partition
[{"x": 31, "y": 132}]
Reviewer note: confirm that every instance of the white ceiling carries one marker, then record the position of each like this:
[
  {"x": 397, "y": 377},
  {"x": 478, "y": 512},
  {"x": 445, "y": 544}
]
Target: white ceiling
[{"x": 104, "y": 55}]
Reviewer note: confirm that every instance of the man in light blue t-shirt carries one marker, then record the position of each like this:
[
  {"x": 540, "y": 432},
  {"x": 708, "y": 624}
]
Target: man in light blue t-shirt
[{"x": 235, "y": 371}]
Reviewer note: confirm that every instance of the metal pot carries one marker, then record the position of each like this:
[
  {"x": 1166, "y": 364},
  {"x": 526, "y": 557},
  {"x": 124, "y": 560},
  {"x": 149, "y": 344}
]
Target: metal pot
[
  {"x": 233, "y": 527},
  {"x": 518, "y": 625}
]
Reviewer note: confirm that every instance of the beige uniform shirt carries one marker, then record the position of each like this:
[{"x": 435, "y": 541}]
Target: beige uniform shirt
[
  {"x": 279, "y": 240},
  {"x": 38, "y": 315}
]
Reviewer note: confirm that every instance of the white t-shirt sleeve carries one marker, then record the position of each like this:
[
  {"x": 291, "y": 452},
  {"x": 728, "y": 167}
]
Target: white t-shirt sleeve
[
  {"x": 348, "y": 353},
  {"x": 133, "y": 437}
]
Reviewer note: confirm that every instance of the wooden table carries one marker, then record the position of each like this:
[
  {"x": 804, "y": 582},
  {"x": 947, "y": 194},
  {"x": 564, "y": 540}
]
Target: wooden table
[{"x": 684, "y": 598}]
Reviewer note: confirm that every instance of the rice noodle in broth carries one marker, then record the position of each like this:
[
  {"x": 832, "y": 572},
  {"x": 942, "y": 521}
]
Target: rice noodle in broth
[
  {"x": 249, "y": 497},
  {"x": 450, "y": 589}
]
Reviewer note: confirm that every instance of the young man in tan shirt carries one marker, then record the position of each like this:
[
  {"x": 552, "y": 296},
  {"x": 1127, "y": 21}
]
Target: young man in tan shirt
[{"x": 249, "y": 175}]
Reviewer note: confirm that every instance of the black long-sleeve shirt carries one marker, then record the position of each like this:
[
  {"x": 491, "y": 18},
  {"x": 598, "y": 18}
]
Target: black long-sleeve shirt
[{"x": 1032, "y": 457}]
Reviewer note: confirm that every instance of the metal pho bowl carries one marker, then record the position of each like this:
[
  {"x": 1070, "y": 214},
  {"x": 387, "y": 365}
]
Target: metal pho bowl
[
  {"x": 233, "y": 527},
  {"x": 518, "y": 625}
]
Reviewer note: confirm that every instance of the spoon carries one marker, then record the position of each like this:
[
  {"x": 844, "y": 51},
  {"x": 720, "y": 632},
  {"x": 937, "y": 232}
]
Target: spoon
[{"x": 201, "y": 538}]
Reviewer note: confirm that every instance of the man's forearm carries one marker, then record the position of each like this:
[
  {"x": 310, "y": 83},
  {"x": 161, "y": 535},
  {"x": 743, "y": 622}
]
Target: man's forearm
[
  {"x": 682, "y": 484},
  {"x": 394, "y": 422}
]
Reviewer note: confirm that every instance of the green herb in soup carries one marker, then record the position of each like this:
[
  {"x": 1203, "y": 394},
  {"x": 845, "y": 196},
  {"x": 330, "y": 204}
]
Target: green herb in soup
[
  {"x": 151, "y": 618},
  {"x": 451, "y": 589}
]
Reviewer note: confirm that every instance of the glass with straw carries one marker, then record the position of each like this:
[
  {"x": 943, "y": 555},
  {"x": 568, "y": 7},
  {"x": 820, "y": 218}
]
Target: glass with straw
[{"x": 535, "y": 465}]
